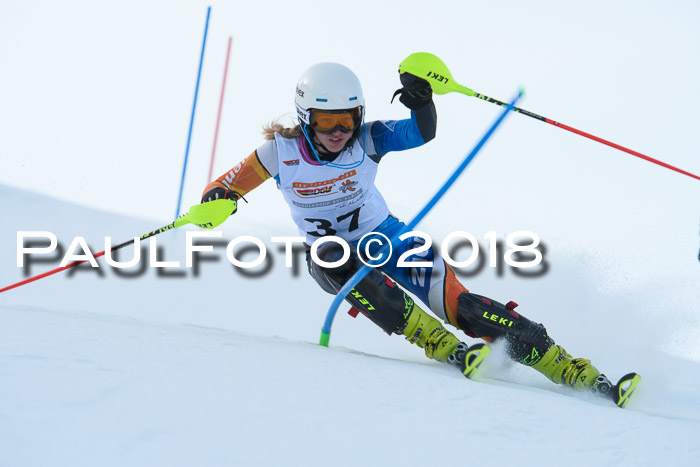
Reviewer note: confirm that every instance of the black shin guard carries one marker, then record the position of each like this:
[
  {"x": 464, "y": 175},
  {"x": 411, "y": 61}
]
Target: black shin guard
[
  {"x": 376, "y": 296},
  {"x": 483, "y": 317}
]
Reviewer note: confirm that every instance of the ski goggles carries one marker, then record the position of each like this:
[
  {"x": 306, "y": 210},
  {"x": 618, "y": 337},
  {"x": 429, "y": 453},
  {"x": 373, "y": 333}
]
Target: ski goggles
[{"x": 328, "y": 121}]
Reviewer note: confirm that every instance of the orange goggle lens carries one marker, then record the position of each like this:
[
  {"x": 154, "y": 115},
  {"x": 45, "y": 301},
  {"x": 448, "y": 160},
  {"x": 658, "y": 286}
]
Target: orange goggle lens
[{"x": 328, "y": 122}]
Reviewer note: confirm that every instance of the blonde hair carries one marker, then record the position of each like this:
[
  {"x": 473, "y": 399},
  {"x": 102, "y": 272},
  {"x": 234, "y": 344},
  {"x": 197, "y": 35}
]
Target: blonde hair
[{"x": 275, "y": 126}]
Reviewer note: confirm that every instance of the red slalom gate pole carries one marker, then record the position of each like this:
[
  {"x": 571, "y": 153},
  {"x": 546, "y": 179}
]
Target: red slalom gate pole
[{"x": 221, "y": 104}]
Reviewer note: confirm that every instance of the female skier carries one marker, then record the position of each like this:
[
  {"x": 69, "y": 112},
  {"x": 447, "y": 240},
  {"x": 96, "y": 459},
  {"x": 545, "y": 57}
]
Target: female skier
[{"x": 325, "y": 168}]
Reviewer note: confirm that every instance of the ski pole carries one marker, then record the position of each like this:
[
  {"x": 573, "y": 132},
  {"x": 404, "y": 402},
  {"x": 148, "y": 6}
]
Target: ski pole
[
  {"x": 365, "y": 269},
  {"x": 207, "y": 216},
  {"x": 430, "y": 67}
]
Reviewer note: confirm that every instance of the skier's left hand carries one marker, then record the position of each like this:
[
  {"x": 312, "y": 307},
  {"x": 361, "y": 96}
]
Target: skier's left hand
[{"x": 415, "y": 93}]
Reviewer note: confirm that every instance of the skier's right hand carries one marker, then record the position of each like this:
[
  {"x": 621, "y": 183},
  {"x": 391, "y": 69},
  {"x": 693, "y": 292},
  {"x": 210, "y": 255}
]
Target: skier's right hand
[
  {"x": 213, "y": 191},
  {"x": 218, "y": 193}
]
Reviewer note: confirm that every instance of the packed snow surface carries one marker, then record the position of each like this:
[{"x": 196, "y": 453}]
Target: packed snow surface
[{"x": 222, "y": 369}]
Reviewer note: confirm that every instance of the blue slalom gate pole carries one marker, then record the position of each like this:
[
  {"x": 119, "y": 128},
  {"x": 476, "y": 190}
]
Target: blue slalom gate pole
[
  {"x": 194, "y": 106},
  {"x": 365, "y": 269}
]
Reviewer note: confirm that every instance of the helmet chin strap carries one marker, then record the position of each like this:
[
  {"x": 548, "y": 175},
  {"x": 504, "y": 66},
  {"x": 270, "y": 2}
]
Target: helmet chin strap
[
  {"x": 329, "y": 163},
  {"x": 328, "y": 153}
]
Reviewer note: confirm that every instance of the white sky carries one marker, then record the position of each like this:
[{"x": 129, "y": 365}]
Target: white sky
[{"x": 96, "y": 96}]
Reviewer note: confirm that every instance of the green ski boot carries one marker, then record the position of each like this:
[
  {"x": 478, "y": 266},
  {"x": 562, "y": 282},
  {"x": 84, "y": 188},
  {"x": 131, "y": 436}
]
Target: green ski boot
[
  {"x": 576, "y": 373},
  {"x": 428, "y": 334},
  {"x": 441, "y": 345}
]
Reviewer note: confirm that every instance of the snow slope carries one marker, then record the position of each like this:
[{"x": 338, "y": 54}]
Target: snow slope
[
  {"x": 89, "y": 389},
  {"x": 225, "y": 370}
]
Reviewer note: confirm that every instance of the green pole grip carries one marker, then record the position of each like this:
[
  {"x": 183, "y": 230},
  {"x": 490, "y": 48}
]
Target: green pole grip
[{"x": 325, "y": 338}]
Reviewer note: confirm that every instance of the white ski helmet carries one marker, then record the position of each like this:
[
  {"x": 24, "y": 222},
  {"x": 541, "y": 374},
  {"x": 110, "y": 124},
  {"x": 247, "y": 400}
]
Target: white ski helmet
[{"x": 327, "y": 86}]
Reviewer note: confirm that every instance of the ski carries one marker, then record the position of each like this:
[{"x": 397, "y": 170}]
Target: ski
[
  {"x": 474, "y": 357},
  {"x": 625, "y": 388}
]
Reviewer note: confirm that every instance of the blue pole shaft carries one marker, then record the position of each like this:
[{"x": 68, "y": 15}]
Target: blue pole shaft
[
  {"x": 194, "y": 106},
  {"x": 364, "y": 270}
]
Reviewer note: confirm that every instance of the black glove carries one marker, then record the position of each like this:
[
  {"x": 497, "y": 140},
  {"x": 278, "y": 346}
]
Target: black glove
[
  {"x": 415, "y": 93},
  {"x": 220, "y": 193}
]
